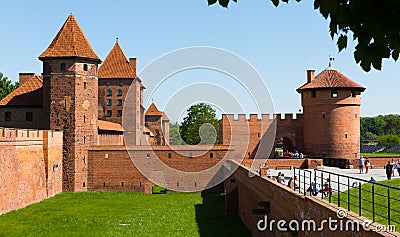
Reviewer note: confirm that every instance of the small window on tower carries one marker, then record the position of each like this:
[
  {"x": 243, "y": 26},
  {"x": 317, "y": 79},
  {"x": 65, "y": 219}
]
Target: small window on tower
[
  {"x": 109, "y": 113},
  {"x": 119, "y": 102},
  {"x": 107, "y": 83},
  {"x": 121, "y": 83},
  {"x": 84, "y": 85},
  {"x": 345, "y": 135},
  {"x": 85, "y": 67},
  {"x": 63, "y": 67},
  {"x": 119, "y": 113},
  {"x": 109, "y": 92},
  {"x": 313, "y": 93},
  {"x": 109, "y": 102},
  {"x": 323, "y": 114},
  {"x": 334, "y": 93},
  {"x": 119, "y": 92},
  {"x": 29, "y": 116},
  {"x": 7, "y": 116}
]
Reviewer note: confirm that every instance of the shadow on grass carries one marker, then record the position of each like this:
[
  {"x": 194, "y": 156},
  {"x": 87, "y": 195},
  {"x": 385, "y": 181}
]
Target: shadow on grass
[{"x": 211, "y": 219}]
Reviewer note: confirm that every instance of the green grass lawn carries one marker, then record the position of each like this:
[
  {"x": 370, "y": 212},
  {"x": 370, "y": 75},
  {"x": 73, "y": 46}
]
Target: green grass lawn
[
  {"x": 124, "y": 214},
  {"x": 380, "y": 198},
  {"x": 378, "y": 154}
]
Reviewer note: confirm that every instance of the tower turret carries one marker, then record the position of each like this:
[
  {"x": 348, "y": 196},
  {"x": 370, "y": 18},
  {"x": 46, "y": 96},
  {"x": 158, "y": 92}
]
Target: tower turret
[
  {"x": 70, "y": 97},
  {"x": 331, "y": 107}
]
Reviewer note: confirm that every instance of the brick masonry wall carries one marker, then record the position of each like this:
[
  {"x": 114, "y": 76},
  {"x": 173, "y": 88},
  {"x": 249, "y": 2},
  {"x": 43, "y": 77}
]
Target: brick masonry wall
[
  {"x": 289, "y": 162},
  {"x": 245, "y": 194},
  {"x": 111, "y": 167},
  {"x": 18, "y": 118},
  {"x": 25, "y": 159}
]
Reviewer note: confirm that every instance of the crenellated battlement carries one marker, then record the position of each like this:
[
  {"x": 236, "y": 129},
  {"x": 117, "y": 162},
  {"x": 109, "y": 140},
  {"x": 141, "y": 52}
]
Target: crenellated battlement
[
  {"x": 263, "y": 117},
  {"x": 14, "y": 134}
]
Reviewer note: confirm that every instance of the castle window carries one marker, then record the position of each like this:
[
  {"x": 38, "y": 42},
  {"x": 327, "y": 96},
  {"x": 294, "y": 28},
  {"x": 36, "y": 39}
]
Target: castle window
[
  {"x": 356, "y": 115},
  {"x": 107, "y": 83},
  {"x": 313, "y": 93},
  {"x": 84, "y": 184},
  {"x": 148, "y": 155},
  {"x": 109, "y": 102},
  {"x": 169, "y": 155},
  {"x": 109, "y": 92},
  {"x": 119, "y": 92},
  {"x": 345, "y": 135},
  {"x": 84, "y": 119},
  {"x": 334, "y": 93},
  {"x": 323, "y": 114},
  {"x": 109, "y": 113},
  {"x": 84, "y": 85},
  {"x": 85, "y": 67},
  {"x": 258, "y": 134},
  {"x": 29, "y": 116},
  {"x": 119, "y": 102},
  {"x": 84, "y": 139},
  {"x": 63, "y": 67},
  {"x": 121, "y": 83},
  {"x": 119, "y": 113},
  {"x": 211, "y": 155},
  {"x": 7, "y": 116},
  {"x": 190, "y": 155}
]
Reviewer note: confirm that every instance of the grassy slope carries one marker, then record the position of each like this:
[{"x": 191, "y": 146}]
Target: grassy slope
[
  {"x": 378, "y": 154},
  {"x": 102, "y": 213},
  {"x": 381, "y": 201}
]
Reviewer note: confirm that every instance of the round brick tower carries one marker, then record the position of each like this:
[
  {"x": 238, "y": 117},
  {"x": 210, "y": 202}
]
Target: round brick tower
[{"x": 331, "y": 115}]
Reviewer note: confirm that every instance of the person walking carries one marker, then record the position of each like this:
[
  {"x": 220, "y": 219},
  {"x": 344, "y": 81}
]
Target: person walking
[
  {"x": 398, "y": 167},
  {"x": 389, "y": 169},
  {"x": 361, "y": 164},
  {"x": 367, "y": 164}
]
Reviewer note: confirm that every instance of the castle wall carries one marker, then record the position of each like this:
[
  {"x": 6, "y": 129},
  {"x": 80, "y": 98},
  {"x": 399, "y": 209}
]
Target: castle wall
[
  {"x": 244, "y": 193},
  {"x": 27, "y": 159},
  {"x": 18, "y": 117},
  {"x": 254, "y": 137},
  {"x": 111, "y": 167},
  {"x": 110, "y": 139}
]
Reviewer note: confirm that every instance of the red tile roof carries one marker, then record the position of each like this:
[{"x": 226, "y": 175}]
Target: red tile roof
[
  {"x": 330, "y": 78},
  {"x": 110, "y": 126},
  {"x": 164, "y": 117},
  {"x": 70, "y": 42},
  {"x": 153, "y": 111},
  {"x": 116, "y": 65},
  {"x": 26, "y": 94}
]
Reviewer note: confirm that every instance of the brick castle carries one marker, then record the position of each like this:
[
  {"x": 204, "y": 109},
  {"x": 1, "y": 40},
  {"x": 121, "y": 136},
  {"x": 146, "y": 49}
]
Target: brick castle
[{"x": 71, "y": 118}]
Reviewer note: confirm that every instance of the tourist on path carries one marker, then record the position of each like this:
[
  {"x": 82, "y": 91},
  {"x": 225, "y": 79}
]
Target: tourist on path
[
  {"x": 389, "y": 169},
  {"x": 367, "y": 164},
  {"x": 361, "y": 164}
]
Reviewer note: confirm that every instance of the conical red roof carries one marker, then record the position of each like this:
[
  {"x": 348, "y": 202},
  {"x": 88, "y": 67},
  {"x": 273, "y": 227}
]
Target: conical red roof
[
  {"x": 70, "y": 41},
  {"x": 116, "y": 65}
]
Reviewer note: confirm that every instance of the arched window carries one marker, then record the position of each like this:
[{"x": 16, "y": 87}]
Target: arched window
[
  {"x": 121, "y": 83},
  {"x": 85, "y": 67},
  {"x": 109, "y": 92},
  {"x": 119, "y": 92},
  {"x": 107, "y": 83}
]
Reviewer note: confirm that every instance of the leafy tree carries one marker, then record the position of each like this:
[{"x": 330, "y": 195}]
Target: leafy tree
[
  {"x": 200, "y": 126},
  {"x": 174, "y": 135},
  {"x": 389, "y": 139},
  {"x": 375, "y": 25},
  {"x": 6, "y": 86},
  {"x": 371, "y": 127}
]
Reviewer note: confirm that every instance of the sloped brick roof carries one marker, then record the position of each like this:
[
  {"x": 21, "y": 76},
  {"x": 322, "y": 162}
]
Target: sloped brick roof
[
  {"x": 110, "y": 126},
  {"x": 116, "y": 65},
  {"x": 153, "y": 111},
  {"x": 164, "y": 117},
  {"x": 20, "y": 96},
  {"x": 70, "y": 41},
  {"x": 330, "y": 78}
]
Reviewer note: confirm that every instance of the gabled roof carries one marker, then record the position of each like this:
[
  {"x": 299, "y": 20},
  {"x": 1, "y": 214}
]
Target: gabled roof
[
  {"x": 116, "y": 65},
  {"x": 153, "y": 111},
  {"x": 164, "y": 117},
  {"x": 20, "y": 96},
  {"x": 330, "y": 78},
  {"x": 109, "y": 126},
  {"x": 70, "y": 41}
]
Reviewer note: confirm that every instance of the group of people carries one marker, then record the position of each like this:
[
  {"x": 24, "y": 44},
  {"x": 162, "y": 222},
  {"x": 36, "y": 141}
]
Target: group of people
[
  {"x": 363, "y": 163},
  {"x": 315, "y": 188},
  {"x": 296, "y": 154},
  {"x": 292, "y": 183},
  {"x": 391, "y": 167}
]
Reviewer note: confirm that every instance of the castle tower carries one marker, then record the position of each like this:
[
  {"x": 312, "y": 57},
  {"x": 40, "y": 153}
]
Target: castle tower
[
  {"x": 331, "y": 115},
  {"x": 70, "y": 98},
  {"x": 158, "y": 123}
]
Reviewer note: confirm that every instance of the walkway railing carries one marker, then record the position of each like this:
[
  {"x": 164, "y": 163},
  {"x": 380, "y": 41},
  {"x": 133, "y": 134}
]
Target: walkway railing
[{"x": 366, "y": 198}]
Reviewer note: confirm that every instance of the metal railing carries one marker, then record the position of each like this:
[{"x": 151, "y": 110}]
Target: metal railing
[{"x": 366, "y": 198}]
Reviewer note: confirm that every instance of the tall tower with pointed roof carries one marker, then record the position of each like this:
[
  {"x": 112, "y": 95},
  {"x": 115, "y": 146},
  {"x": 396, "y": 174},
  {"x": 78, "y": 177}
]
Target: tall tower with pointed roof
[
  {"x": 331, "y": 114},
  {"x": 70, "y": 97}
]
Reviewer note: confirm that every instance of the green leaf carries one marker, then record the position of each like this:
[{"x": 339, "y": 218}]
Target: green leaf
[
  {"x": 211, "y": 2},
  {"x": 275, "y": 2},
  {"x": 223, "y": 3},
  {"x": 342, "y": 42},
  {"x": 395, "y": 54}
]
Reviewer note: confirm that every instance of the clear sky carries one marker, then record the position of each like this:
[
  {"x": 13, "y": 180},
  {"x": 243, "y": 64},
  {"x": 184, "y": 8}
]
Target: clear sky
[{"x": 280, "y": 43}]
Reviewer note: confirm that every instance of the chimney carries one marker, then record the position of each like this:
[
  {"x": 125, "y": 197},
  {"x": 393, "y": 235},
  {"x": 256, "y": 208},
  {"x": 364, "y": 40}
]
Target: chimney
[
  {"x": 310, "y": 75},
  {"x": 132, "y": 63},
  {"x": 24, "y": 76}
]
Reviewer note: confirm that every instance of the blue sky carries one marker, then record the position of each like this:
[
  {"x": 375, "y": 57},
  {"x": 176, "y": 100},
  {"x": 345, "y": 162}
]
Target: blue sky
[{"x": 280, "y": 43}]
